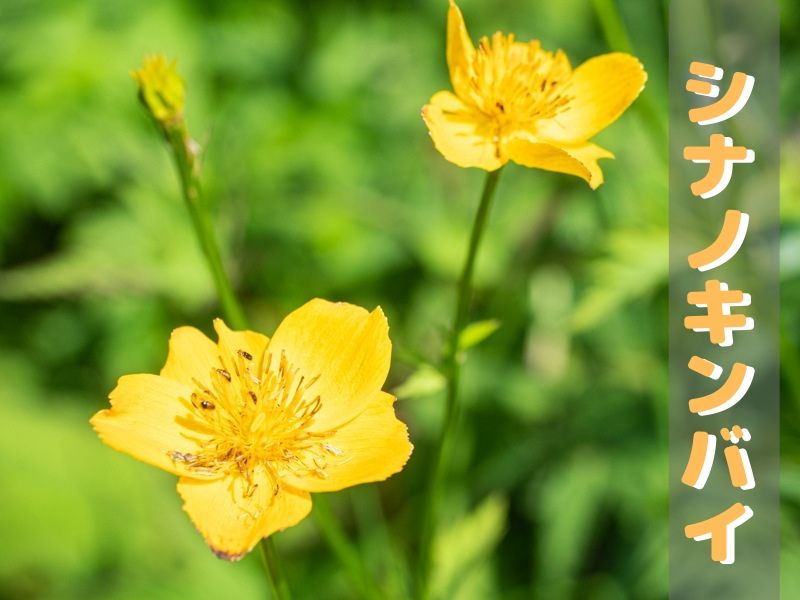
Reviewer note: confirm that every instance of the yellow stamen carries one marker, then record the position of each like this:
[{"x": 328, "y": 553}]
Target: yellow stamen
[{"x": 261, "y": 418}]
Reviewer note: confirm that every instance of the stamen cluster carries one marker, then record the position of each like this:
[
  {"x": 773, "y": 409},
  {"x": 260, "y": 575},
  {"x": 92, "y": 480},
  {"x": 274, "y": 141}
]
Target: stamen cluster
[
  {"x": 256, "y": 415},
  {"x": 517, "y": 84}
]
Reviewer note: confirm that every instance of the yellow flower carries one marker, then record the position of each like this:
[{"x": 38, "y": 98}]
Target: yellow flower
[
  {"x": 251, "y": 425},
  {"x": 516, "y": 101},
  {"x": 161, "y": 88}
]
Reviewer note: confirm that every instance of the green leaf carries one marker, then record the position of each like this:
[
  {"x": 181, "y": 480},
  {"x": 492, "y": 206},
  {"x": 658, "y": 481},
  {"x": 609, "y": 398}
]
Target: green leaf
[
  {"x": 567, "y": 503},
  {"x": 635, "y": 263},
  {"x": 142, "y": 247},
  {"x": 467, "y": 544},
  {"x": 474, "y": 333},
  {"x": 425, "y": 381}
]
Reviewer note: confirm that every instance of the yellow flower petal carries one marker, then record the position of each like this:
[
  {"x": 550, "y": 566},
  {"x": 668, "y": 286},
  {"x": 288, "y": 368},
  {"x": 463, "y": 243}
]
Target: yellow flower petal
[
  {"x": 233, "y": 517},
  {"x": 191, "y": 356},
  {"x": 581, "y": 160},
  {"x": 372, "y": 447},
  {"x": 460, "y": 51},
  {"x": 463, "y": 135},
  {"x": 588, "y": 155},
  {"x": 345, "y": 346},
  {"x": 146, "y": 420},
  {"x": 231, "y": 342},
  {"x": 599, "y": 90}
]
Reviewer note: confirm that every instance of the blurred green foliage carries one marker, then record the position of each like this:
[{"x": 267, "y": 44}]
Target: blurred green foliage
[{"x": 325, "y": 184}]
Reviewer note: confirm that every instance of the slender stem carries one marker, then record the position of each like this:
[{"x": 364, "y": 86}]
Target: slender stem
[
  {"x": 451, "y": 365},
  {"x": 185, "y": 152},
  {"x": 274, "y": 570},
  {"x": 344, "y": 550},
  {"x": 611, "y": 22},
  {"x": 371, "y": 521},
  {"x": 184, "y": 149},
  {"x": 617, "y": 38}
]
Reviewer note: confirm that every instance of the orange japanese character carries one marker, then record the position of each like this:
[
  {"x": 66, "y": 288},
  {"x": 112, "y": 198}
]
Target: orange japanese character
[
  {"x": 718, "y": 320},
  {"x": 721, "y": 530},
  {"x": 726, "y": 107},
  {"x": 720, "y": 155},
  {"x": 733, "y": 390},
  {"x": 738, "y": 461},
  {"x": 701, "y": 459},
  {"x": 727, "y": 244}
]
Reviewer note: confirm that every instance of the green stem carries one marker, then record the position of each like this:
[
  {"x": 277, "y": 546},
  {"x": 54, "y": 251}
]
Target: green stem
[
  {"x": 344, "y": 550},
  {"x": 613, "y": 28},
  {"x": 452, "y": 367},
  {"x": 185, "y": 152},
  {"x": 617, "y": 38},
  {"x": 274, "y": 570},
  {"x": 371, "y": 521}
]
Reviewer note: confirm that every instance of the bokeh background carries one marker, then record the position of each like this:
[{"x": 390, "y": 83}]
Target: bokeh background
[{"x": 324, "y": 183}]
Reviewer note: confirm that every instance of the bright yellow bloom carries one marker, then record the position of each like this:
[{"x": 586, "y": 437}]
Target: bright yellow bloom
[
  {"x": 251, "y": 425},
  {"x": 161, "y": 88},
  {"x": 516, "y": 101}
]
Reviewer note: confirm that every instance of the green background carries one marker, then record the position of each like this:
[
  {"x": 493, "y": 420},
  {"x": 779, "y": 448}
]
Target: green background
[{"x": 324, "y": 183}]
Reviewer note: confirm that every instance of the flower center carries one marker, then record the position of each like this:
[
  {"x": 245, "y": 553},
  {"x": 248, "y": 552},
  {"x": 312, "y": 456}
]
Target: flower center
[
  {"x": 516, "y": 83},
  {"x": 256, "y": 415}
]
